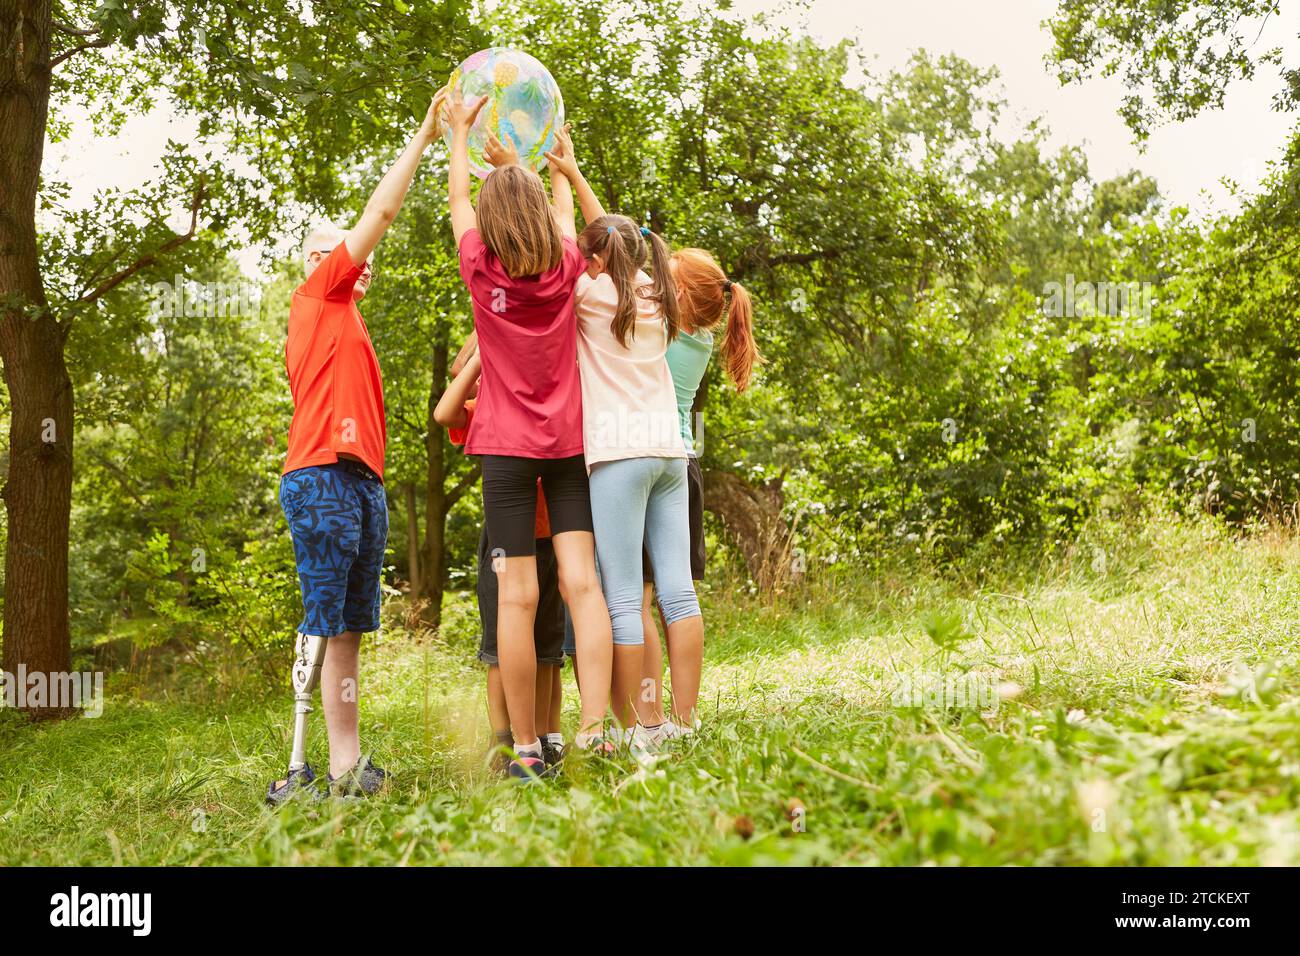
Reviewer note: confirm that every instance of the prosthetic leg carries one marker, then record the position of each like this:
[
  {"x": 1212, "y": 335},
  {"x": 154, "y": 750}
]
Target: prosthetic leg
[{"x": 309, "y": 654}]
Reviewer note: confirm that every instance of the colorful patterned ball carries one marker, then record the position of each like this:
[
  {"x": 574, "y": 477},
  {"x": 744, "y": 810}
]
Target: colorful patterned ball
[{"x": 524, "y": 105}]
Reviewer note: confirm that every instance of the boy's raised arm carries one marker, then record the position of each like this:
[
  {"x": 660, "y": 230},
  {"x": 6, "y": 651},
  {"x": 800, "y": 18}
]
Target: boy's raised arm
[
  {"x": 387, "y": 199},
  {"x": 461, "y": 117}
]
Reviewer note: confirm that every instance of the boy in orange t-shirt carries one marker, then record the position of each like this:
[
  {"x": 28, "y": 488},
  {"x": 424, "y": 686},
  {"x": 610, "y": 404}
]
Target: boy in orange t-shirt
[{"x": 332, "y": 483}]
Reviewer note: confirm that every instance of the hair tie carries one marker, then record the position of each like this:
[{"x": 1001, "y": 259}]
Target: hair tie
[
  {"x": 645, "y": 231},
  {"x": 726, "y": 285},
  {"x": 609, "y": 231}
]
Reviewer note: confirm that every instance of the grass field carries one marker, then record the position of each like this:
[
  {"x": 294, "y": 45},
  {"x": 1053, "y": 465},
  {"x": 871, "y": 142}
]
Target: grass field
[{"x": 1136, "y": 702}]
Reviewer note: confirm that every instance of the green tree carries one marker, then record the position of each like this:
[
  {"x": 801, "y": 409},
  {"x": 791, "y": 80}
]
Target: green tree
[
  {"x": 261, "y": 81},
  {"x": 1177, "y": 57}
]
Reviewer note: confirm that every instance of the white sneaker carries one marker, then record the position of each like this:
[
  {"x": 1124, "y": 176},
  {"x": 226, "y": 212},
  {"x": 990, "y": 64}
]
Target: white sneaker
[
  {"x": 665, "y": 732},
  {"x": 621, "y": 735},
  {"x": 643, "y": 741}
]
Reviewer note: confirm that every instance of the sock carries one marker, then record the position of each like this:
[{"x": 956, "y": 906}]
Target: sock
[
  {"x": 652, "y": 726},
  {"x": 529, "y": 750},
  {"x": 505, "y": 738},
  {"x": 555, "y": 740}
]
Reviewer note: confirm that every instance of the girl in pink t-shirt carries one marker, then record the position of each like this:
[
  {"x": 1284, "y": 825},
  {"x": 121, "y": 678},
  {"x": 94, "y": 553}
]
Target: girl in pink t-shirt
[
  {"x": 520, "y": 262},
  {"x": 633, "y": 440}
]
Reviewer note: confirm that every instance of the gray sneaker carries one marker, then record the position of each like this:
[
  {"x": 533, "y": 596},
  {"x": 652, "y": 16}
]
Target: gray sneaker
[
  {"x": 299, "y": 782},
  {"x": 363, "y": 780}
]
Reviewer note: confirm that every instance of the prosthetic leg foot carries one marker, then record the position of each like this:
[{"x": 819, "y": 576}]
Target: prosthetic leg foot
[
  {"x": 308, "y": 657},
  {"x": 298, "y": 782}
]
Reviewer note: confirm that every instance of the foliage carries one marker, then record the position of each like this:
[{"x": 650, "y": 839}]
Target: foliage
[
  {"x": 923, "y": 392},
  {"x": 1178, "y": 57}
]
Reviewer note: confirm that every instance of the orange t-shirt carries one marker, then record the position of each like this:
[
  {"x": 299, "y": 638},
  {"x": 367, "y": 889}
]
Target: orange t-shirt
[
  {"x": 338, "y": 392},
  {"x": 542, "y": 523}
]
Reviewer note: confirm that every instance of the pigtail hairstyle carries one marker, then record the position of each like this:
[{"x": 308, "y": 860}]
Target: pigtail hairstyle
[
  {"x": 624, "y": 248},
  {"x": 705, "y": 294},
  {"x": 664, "y": 290}
]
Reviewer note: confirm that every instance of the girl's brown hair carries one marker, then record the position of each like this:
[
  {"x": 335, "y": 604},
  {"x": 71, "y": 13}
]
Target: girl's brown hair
[
  {"x": 624, "y": 248},
  {"x": 516, "y": 224},
  {"x": 703, "y": 290}
]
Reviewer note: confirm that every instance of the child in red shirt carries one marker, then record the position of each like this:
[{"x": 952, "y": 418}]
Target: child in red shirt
[
  {"x": 520, "y": 262},
  {"x": 455, "y": 412}
]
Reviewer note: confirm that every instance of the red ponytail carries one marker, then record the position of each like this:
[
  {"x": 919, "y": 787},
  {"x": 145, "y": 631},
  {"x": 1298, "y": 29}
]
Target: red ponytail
[
  {"x": 739, "y": 352},
  {"x": 703, "y": 290}
]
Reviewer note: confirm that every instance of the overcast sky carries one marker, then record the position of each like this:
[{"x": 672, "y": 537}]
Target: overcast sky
[{"x": 1187, "y": 159}]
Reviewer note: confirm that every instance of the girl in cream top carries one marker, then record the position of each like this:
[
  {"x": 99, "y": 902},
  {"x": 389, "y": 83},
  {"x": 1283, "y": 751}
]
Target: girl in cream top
[{"x": 628, "y": 401}]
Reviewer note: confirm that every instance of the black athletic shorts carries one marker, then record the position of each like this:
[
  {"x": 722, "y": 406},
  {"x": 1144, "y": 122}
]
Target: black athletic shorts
[
  {"x": 695, "y": 495},
  {"x": 510, "y": 499},
  {"x": 548, "y": 628}
]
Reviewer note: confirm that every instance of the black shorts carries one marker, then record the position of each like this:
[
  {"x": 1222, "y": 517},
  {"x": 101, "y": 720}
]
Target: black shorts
[
  {"x": 548, "y": 628},
  {"x": 510, "y": 499},
  {"x": 695, "y": 494}
]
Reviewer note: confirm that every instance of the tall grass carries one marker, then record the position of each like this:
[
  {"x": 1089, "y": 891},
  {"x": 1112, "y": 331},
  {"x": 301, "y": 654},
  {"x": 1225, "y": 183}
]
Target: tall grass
[{"x": 1140, "y": 706}]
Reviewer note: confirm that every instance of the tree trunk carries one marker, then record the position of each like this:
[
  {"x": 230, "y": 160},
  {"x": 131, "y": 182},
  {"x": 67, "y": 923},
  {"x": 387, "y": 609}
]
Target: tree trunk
[
  {"x": 751, "y": 517},
  {"x": 412, "y": 541},
  {"x": 435, "y": 494},
  {"x": 38, "y": 489}
]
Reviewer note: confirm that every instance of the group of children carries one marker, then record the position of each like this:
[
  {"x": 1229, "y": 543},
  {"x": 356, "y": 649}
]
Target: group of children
[{"x": 576, "y": 391}]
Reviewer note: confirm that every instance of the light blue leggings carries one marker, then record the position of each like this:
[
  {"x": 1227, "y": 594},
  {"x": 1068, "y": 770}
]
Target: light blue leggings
[{"x": 639, "y": 501}]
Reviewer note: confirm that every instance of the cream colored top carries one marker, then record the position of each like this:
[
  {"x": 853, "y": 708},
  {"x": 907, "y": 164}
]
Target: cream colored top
[{"x": 629, "y": 406}]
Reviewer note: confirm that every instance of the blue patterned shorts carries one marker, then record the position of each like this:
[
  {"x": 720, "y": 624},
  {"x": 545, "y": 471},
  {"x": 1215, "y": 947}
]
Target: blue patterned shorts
[{"x": 338, "y": 517}]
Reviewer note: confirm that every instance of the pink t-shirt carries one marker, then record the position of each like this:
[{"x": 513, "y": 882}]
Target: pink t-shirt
[
  {"x": 529, "y": 396},
  {"x": 628, "y": 403}
]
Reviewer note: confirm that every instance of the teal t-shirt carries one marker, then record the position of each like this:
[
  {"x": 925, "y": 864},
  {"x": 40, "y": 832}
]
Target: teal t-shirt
[{"x": 688, "y": 358}]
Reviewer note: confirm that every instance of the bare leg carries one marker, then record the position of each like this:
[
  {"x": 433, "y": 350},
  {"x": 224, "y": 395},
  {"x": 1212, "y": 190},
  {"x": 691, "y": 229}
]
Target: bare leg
[
  {"x": 338, "y": 697},
  {"x": 542, "y": 697},
  {"x": 575, "y": 552},
  {"x": 557, "y": 700},
  {"x": 650, "y": 698},
  {"x": 685, "y": 658},
  {"x": 516, "y": 613},
  {"x": 626, "y": 682},
  {"x": 498, "y": 715}
]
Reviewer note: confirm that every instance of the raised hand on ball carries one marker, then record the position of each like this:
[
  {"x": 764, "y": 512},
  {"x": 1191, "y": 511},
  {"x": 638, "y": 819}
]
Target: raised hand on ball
[
  {"x": 561, "y": 157},
  {"x": 461, "y": 115},
  {"x": 498, "y": 153},
  {"x": 432, "y": 126}
]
